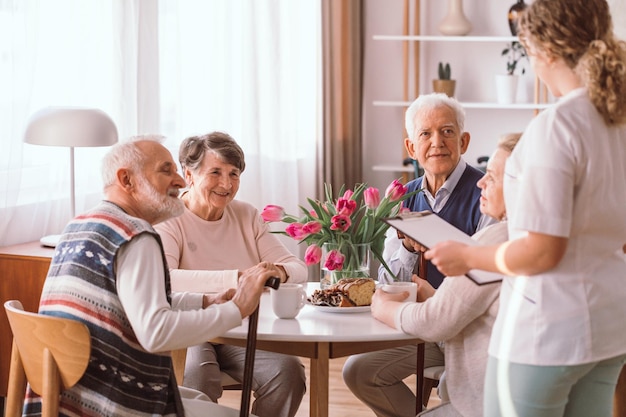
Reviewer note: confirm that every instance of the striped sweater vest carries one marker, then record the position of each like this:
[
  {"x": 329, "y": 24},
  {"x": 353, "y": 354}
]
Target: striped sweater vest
[
  {"x": 122, "y": 378},
  {"x": 461, "y": 210}
]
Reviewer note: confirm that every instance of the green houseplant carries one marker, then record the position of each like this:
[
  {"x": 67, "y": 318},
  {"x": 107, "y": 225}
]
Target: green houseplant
[
  {"x": 515, "y": 52},
  {"x": 506, "y": 84},
  {"x": 444, "y": 84},
  {"x": 444, "y": 71}
]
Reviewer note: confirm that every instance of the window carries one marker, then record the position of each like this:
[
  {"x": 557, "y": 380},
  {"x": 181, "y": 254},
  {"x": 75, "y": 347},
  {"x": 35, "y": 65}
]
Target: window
[{"x": 250, "y": 68}]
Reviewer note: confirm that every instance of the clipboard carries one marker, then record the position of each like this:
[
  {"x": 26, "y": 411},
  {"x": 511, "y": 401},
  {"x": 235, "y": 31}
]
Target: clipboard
[{"x": 428, "y": 229}]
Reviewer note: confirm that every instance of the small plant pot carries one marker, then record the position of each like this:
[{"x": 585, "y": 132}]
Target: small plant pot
[
  {"x": 444, "y": 86},
  {"x": 506, "y": 88}
]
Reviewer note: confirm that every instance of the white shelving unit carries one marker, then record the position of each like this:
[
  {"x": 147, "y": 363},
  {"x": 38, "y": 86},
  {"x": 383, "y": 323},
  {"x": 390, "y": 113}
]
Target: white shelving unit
[
  {"x": 431, "y": 38},
  {"x": 539, "y": 103},
  {"x": 412, "y": 52},
  {"x": 393, "y": 168},
  {"x": 474, "y": 105}
]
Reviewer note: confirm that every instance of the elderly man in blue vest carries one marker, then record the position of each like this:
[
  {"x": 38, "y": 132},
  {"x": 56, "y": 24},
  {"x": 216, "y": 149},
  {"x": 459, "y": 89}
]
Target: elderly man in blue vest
[
  {"x": 109, "y": 272},
  {"x": 434, "y": 123}
]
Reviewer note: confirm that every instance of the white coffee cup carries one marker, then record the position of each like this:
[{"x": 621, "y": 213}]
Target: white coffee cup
[
  {"x": 288, "y": 300},
  {"x": 400, "y": 286}
]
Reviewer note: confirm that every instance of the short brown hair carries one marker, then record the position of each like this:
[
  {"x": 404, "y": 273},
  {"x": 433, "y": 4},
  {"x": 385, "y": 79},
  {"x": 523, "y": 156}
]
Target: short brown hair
[{"x": 194, "y": 148}]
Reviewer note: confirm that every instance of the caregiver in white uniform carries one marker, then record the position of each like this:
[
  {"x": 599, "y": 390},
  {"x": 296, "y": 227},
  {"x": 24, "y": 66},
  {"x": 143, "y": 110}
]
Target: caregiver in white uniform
[{"x": 559, "y": 341}]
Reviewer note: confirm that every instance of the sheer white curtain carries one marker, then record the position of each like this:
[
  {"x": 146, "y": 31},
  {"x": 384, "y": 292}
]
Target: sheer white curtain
[
  {"x": 250, "y": 68},
  {"x": 51, "y": 53}
]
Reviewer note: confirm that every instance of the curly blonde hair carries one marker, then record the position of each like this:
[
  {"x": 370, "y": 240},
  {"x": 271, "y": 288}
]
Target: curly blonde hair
[{"x": 581, "y": 33}]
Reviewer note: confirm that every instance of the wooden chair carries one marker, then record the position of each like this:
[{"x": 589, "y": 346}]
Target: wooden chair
[
  {"x": 432, "y": 376},
  {"x": 619, "y": 398},
  {"x": 50, "y": 353},
  {"x": 429, "y": 377}
]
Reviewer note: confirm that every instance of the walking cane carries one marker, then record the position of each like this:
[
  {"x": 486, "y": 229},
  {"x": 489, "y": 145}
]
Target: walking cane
[
  {"x": 248, "y": 369},
  {"x": 419, "y": 400}
]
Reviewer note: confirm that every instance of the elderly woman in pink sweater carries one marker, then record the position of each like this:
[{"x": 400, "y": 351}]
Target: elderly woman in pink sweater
[{"x": 207, "y": 248}]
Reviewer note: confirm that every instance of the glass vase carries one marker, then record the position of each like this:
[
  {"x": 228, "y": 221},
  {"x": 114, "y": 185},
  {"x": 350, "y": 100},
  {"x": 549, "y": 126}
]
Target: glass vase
[{"x": 356, "y": 263}]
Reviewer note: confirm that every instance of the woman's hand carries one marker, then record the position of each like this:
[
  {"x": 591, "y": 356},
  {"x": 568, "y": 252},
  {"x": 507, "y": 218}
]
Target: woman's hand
[
  {"x": 385, "y": 304},
  {"x": 424, "y": 289},
  {"x": 448, "y": 257}
]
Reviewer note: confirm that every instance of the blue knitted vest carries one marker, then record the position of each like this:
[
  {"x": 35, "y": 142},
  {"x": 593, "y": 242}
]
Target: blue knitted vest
[
  {"x": 122, "y": 378},
  {"x": 461, "y": 210}
]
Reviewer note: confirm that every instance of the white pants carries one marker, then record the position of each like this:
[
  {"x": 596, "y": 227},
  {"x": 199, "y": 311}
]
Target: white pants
[{"x": 197, "y": 404}]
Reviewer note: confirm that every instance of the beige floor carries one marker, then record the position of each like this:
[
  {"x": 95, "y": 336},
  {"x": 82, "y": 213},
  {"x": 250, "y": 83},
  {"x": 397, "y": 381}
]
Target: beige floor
[{"x": 342, "y": 402}]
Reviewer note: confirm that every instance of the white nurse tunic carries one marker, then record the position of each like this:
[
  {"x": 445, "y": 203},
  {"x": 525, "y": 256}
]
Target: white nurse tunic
[{"x": 567, "y": 177}]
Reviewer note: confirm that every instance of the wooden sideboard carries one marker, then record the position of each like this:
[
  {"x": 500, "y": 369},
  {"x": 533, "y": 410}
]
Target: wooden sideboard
[{"x": 23, "y": 269}]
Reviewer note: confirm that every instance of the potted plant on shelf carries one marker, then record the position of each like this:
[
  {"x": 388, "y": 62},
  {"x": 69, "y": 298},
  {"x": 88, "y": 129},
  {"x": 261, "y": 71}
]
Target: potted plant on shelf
[
  {"x": 514, "y": 52},
  {"x": 507, "y": 83},
  {"x": 444, "y": 84}
]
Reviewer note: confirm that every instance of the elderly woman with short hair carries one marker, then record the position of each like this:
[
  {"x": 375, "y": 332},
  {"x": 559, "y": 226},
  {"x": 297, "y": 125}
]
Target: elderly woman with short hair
[{"x": 207, "y": 247}]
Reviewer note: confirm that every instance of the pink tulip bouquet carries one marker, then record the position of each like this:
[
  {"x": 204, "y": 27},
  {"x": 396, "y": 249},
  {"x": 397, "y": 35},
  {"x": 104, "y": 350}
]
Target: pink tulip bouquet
[{"x": 349, "y": 220}]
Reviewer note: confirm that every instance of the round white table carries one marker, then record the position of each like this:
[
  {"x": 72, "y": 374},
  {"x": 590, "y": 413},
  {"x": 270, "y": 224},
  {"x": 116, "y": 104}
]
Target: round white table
[{"x": 320, "y": 336}]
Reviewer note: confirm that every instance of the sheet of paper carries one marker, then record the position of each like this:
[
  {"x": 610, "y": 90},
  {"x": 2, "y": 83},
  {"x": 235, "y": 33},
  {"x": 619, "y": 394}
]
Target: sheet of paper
[{"x": 428, "y": 229}]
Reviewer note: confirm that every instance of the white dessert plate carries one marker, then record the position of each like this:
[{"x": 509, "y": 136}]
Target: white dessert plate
[{"x": 342, "y": 310}]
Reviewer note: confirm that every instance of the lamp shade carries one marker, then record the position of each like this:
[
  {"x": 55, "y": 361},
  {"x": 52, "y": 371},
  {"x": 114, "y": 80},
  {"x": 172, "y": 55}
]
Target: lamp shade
[{"x": 70, "y": 127}]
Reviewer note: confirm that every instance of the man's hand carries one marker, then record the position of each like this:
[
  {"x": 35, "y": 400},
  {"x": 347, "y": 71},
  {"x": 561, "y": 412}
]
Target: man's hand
[
  {"x": 412, "y": 246},
  {"x": 218, "y": 298},
  {"x": 279, "y": 271},
  {"x": 250, "y": 287}
]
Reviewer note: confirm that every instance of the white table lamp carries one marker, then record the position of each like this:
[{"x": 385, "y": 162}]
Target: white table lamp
[{"x": 71, "y": 127}]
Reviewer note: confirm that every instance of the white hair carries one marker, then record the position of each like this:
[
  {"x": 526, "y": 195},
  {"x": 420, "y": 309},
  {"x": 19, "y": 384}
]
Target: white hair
[
  {"x": 432, "y": 101},
  {"x": 125, "y": 154}
]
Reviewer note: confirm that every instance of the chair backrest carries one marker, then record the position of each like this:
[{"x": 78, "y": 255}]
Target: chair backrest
[
  {"x": 179, "y": 356},
  {"x": 50, "y": 353}
]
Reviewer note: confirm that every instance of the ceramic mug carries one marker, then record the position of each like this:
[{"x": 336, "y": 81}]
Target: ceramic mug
[
  {"x": 288, "y": 300},
  {"x": 400, "y": 286}
]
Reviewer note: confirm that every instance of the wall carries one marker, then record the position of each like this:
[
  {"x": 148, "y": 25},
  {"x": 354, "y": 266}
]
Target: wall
[{"x": 474, "y": 66}]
